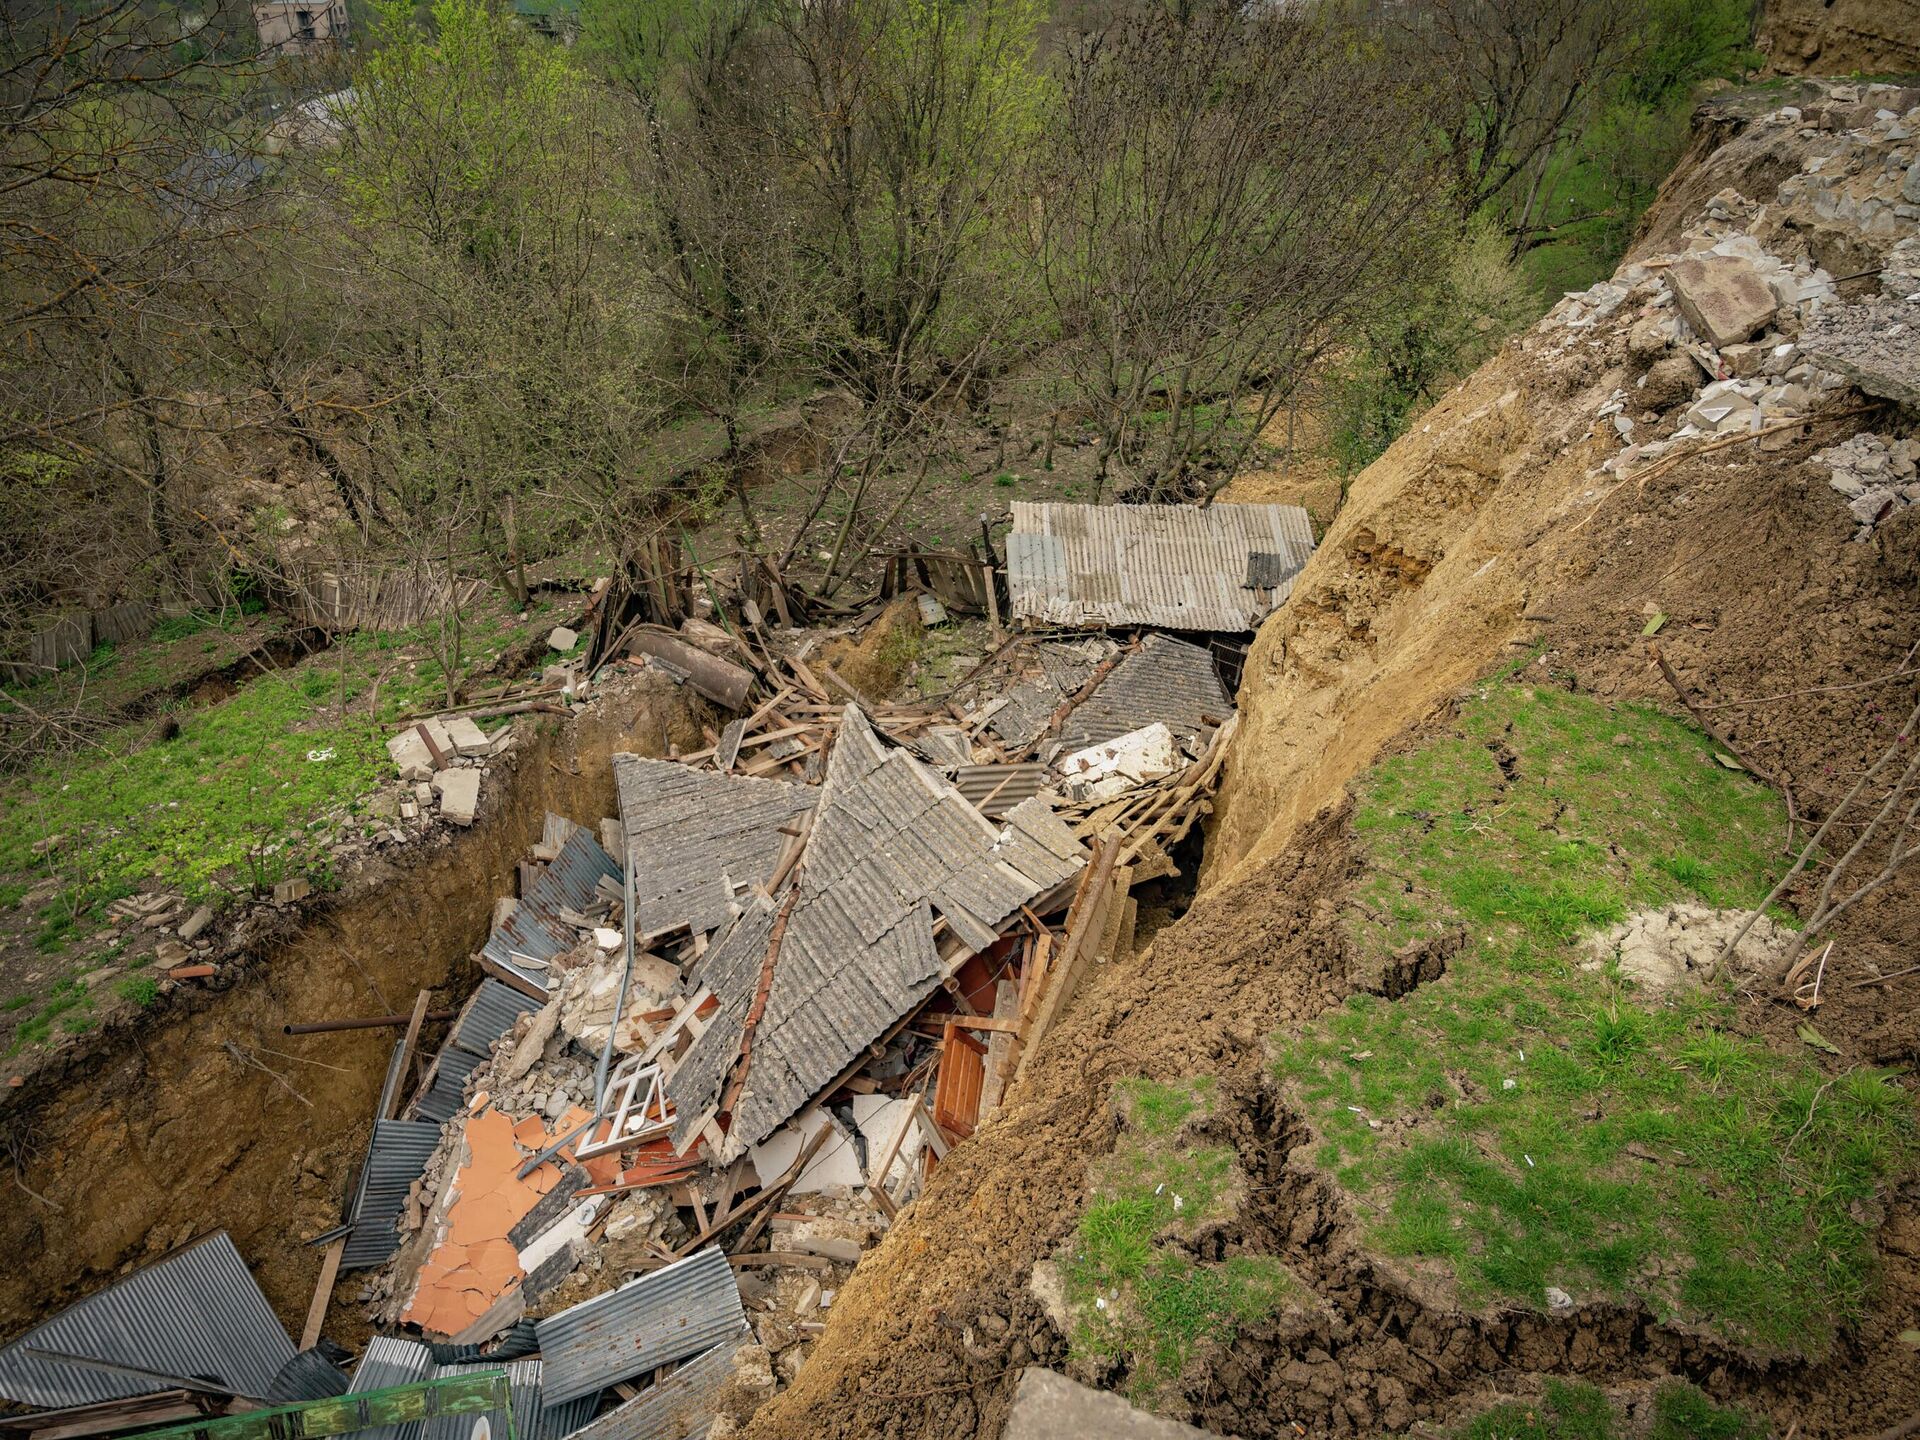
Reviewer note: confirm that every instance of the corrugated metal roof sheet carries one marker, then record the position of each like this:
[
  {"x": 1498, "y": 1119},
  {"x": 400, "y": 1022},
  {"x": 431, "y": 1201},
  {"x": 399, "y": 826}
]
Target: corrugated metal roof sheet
[
  {"x": 1166, "y": 680},
  {"x": 397, "y": 1155},
  {"x": 489, "y": 1015},
  {"x": 696, "y": 836},
  {"x": 1055, "y": 672},
  {"x": 667, "y": 1315},
  {"x": 680, "y": 1406},
  {"x": 891, "y": 843},
  {"x": 390, "y": 1360},
  {"x": 1177, "y": 566},
  {"x": 448, "y": 1092},
  {"x": 310, "y": 1375},
  {"x": 196, "y": 1314},
  {"x": 535, "y": 929}
]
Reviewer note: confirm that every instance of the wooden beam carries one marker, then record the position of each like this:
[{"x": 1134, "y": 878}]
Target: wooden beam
[
  {"x": 407, "y": 1044},
  {"x": 323, "y": 1293}
]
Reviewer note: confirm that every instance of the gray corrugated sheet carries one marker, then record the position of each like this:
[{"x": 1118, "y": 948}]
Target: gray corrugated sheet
[
  {"x": 448, "y": 1091},
  {"x": 389, "y": 1361},
  {"x": 310, "y": 1375},
  {"x": 1269, "y": 570},
  {"x": 533, "y": 1418},
  {"x": 1176, "y": 566},
  {"x": 489, "y": 1015},
  {"x": 1166, "y": 680},
  {"x": 570, "y": 882},
  {"x": 667, "y": 1315},
  {"x": 891, "y": 843},
  {"x": 396, "y": 1157},
  {"x": 1053, "y": 672},
  {"x": 197, "y": 1314},
  {"x": 680, "y": 1406},
  {"x": 995, "y": 789},
  {"x": 695, "y": 837}
]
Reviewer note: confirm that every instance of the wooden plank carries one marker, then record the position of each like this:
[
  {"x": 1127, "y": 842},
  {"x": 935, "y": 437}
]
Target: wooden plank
[
  {"x": 407, "y": 1044},
  {"x": 1086, "y": 920},
  {"x": 322, "y": 1294},
  {"x": 508, "y": 977}
]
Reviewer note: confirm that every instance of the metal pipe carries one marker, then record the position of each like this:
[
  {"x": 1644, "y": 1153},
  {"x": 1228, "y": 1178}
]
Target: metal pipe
[{"x": 371, "y": 1022}]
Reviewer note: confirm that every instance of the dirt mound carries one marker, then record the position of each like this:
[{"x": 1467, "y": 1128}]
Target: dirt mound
[{"x": 1677, "y": 946}]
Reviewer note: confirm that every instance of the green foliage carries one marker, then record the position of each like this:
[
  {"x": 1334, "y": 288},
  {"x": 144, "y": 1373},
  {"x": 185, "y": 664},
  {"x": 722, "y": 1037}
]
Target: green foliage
[
  {"x": 1573, "y": 1410},
  {"x": 140, "y": 990},
  {"x": 1432, "y": 334},
  {"x": 1532, "y": 1122},
  {"x": 1134, "y": 1292}
]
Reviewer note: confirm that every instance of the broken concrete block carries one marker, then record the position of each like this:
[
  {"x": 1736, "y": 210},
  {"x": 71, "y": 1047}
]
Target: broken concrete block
[
  {"x": 1049, "y": 1406},
  {"x": 194, "y": 924},
  {"x": 411, "y": 755},
  {"x": 169, "y": 952},
  {"x": 288, "y": 891},
  {"x": 1725, "y": 299},
  {"x": 467, "y": 737},
  {"x": 459, "y": 792},
  {"x": 562, "y": 639}
]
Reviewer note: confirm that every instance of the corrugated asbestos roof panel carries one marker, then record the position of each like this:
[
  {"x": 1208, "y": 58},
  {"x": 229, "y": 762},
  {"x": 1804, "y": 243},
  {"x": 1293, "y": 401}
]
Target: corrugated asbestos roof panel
[
  {"x": 1054, "y": 672},
  {"x": 1180, "y": 567},
  {"x": 396, "y": 1157},
  {"x": 891, "y": 843},
  {"x": 688, "y": 829},
  {"x": 995, "y": 789},
  {"x": 570, "y": 882},
  {"x": 1165, "y": 680},
  {"x": 679, "y": 1406},
  {"x": 667, "y": 1315},
  {"x": 489, "y": 1015},
  {"x": 197, "y": 1314}
]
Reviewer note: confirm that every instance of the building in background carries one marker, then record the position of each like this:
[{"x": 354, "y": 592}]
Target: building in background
[{"x": 300, "y": 26}]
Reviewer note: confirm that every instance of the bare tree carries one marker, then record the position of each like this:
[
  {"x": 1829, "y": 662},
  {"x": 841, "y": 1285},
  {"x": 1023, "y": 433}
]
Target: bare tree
[{"x": 1224, "y": 190}]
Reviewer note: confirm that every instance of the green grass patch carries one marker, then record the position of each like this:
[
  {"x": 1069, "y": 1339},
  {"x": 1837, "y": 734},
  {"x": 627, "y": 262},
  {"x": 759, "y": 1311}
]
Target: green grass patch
[
  {"x": 1135, "y": 1293},
  {"x": 141, "y": 990},
  {"x": 1529, "y": 1123},
  {"x": 1571, "y": 1410},
  {"x": 246, "y": 793}
]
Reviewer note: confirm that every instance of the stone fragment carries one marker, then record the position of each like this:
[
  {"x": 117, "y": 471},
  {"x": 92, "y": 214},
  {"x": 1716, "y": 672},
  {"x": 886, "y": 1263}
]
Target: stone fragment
[
  {"x": 288, "y": 891},
  {"x": 1047, "y": 1406},
  {"x": 1725, "y": 298},
  {"x": 459, "y": 792},
  {"x": 411, "y": 755},
  {"x": 562, "y": 639},
  {"x": 194, "y": 924},
  {"x": 169, "y": 952},
  {"x": 467, "y": 737}
]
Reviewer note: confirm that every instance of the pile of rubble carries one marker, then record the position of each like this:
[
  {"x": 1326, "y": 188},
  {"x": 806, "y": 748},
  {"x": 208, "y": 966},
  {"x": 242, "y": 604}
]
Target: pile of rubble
[
  {"x": 1748, "y": 332},
  {"x": 1877, "y": 478}
]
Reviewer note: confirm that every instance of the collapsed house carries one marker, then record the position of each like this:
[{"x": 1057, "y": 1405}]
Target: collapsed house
[{"x": 724, "y": 1035}]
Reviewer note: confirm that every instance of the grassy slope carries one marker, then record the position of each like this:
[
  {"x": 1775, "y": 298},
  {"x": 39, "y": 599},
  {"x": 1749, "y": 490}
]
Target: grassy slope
[
  {"x": 253, "y": 789},
  {"x": 1134, "y": 1292},
  {"x": 1527, "y": 1123}
]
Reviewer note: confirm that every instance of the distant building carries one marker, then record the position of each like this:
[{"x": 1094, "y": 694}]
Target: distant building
[
  {"x": 300, "y": 26},
  {"x": 556, "y": 19}
]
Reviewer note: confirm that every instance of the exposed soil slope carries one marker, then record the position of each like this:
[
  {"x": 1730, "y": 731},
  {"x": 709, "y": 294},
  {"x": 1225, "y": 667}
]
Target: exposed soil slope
[
  {"x": 1488, "y": 534},
  {"x": 177, "y": 1128}
]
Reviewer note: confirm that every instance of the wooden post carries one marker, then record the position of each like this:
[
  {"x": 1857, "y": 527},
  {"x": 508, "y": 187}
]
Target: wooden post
[
  {"x": 322, "y": 1294},
  {"x": 407, "y": 1044}
]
